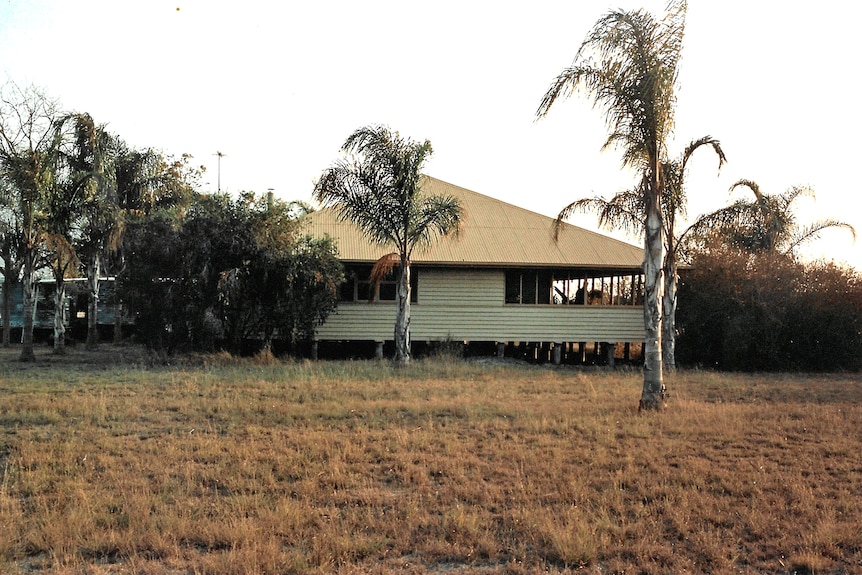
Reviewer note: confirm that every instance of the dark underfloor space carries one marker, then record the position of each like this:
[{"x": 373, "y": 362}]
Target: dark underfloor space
[{"x": 578, "y": 353}]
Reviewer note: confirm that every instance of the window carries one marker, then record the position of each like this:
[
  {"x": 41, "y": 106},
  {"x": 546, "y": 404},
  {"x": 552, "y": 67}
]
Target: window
[
  {"x": 388, "y": 288},
  {"x": 528, "y": 287},
  {"x": 357, "y": 285},
  {"x": 347, "y": 291},
  {"x": 513, "y": 287}
]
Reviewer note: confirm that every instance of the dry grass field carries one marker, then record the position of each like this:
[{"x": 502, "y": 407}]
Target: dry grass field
[{"x": 111, "y": 465}]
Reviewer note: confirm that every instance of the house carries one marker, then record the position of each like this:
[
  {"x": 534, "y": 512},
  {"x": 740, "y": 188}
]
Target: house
[
  {"x": 503, "y": 284},
  {"x": 74, "y": 307}
]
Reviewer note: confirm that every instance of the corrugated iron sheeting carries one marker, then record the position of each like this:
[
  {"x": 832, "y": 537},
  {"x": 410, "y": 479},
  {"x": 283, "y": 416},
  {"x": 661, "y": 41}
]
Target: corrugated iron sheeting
[{"x": 494, "y": 233}]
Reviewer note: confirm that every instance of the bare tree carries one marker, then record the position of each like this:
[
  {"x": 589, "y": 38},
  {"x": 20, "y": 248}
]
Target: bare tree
[
  {"x": 29, "y": 148},
  {"x": 11, "y": 252}
]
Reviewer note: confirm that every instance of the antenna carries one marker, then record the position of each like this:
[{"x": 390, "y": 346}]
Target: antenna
[{"x": 220, "y": 156}]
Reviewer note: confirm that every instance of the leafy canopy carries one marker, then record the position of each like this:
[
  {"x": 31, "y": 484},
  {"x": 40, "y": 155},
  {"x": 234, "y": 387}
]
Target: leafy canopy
[
  {"x": 377, "y": 187},
  {"x": 628, "y": 64}
]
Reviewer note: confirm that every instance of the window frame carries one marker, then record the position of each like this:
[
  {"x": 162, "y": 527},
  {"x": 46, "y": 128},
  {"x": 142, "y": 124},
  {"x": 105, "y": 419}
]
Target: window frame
[
  {"x": 533, "y": 287},
  {"x": 357, "y": 286}
]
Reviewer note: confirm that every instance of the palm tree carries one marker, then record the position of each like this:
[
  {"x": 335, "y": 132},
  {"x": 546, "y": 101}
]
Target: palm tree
[
  {"x": 774, "y": 225},
  {"x": 73, "y": 192},
  {"x": 626, "y": 211},
  {"x": 102, "y": 225},
  {"x": 378, "y": 188},
  {"x": 675, "y": 205},
  {"x": 628, "y": 66},
  {"x": 767, "y": 223}
]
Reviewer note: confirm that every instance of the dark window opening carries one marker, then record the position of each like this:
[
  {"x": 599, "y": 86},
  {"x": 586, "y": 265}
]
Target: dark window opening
[
  {"x": 513, "y": 287},
  {"x": 542, "y": 287},
  {"x": 357, "y": 285},
  {"x": 594, "y": 288},
  {"x": 529, "y": 287}
]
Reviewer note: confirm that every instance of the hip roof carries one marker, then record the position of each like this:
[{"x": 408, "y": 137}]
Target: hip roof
[{"x": 493, "y": 234}]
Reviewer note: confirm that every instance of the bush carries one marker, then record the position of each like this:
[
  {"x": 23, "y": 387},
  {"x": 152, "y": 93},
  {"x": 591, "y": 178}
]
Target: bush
[
  {"x": 226, "y": 272},
  {"x": 765, "y": 311}
]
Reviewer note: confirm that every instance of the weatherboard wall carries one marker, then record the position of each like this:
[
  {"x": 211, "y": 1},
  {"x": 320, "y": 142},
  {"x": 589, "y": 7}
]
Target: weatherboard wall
[{"x": 469, "y": 305}]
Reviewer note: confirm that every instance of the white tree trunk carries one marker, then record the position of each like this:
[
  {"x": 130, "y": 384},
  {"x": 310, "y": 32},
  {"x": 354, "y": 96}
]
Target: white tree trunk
[
  {"x": 29, "y": 307},
  {"x": 668, "y": 319},
  {"x": 653, "y": 388},
  {"x": 93, "y": 271},
  {"x": 59, "y": 327},
  {"x": 402, "y": 321}
]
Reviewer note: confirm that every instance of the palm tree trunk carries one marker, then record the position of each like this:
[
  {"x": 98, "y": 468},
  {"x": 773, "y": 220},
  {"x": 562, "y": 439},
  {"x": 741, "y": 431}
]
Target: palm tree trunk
[
  {"x": 651, "y": 396},
  {"x": 402, "y": 321},
  {"x": 668, "y": 318},
  {"x": 28, "y": 307},
  {"x": 59, "y": 325},
  {"x": 93, "y": 270}
]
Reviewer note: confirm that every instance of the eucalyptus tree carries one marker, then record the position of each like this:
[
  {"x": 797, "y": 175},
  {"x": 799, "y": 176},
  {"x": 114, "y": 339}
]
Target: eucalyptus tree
[
  {"x": 29, "y": 148},
  {"x": 11, "y": 254},
  {"x": 378, "y": 187},
  {"x": 626, "y": 211},
  {"x": 628, "y": 65}
]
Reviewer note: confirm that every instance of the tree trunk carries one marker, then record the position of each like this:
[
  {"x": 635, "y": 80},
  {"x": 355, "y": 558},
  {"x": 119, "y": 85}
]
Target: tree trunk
[
  {"x": 402, "y": 321},
  {"x": 59, "y": 326},
  {"x": 93, "y": 303},
  {"x": 668, "y": 317},
  {"x": 29, "y": 307},
  {"x": 653, "y": 388}
]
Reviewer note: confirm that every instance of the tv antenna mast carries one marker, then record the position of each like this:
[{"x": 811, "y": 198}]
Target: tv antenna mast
[{"x": 220, "y": 156}]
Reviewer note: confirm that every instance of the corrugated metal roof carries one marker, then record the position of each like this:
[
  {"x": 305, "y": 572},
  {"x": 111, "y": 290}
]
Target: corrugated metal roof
[{"x": 494, "y": 233}]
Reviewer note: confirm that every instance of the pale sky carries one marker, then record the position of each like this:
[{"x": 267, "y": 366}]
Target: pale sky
[{"x": 278, "y": 86}]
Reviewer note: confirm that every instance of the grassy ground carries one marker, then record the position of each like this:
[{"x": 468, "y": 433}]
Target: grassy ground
[{"x": 111, "y": 464}]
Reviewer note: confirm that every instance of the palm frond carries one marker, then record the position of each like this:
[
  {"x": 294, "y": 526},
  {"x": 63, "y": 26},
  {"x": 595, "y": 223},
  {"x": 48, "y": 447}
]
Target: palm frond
[
  {"x": 704, "y": 141},
  {"x": 378, "y": 189},
  {"x": 812, "y": 232},
  {"x": 433, "y": 217},
  {"x": 624, "y": 211},
  {"x": 720, "y": 221},
  {"x": 382, "y": 268},
  {"x": 768, "y": 223},
  {"x": 751, "y": 185},
  {"x": 789, "y": 196},
  {"x": 567, "y": 83},
  {"x": 674, "y": 201},
  {"x": 628, "y": 64}
]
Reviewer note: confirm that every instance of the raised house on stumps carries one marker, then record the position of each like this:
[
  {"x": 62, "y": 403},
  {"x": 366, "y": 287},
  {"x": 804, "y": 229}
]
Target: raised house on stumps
[{"x": 504, "y": 285}]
